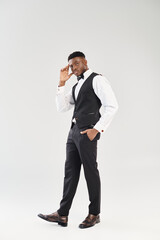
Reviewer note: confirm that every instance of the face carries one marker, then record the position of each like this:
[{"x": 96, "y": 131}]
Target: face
[{"x": 78, "y": 65}]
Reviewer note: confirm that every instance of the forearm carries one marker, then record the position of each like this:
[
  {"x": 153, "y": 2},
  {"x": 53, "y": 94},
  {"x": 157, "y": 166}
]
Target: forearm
[
  {"x": 63, "y": 102},
  {"x": 106, "y": 118}
]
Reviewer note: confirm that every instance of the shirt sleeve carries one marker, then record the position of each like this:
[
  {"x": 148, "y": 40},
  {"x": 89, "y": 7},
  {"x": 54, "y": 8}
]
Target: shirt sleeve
[
  {"x": 104, "y": 92},
  {"x": 64, "y": 102}
]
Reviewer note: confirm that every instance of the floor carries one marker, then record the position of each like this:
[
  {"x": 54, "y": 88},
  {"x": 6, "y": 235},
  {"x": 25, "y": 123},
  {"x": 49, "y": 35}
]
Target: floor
[{"x": 130, "y": 211}]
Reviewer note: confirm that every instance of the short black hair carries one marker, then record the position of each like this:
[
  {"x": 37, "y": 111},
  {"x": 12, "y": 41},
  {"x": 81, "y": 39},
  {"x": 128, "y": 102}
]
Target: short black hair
[{"x": 76, "y": 54}]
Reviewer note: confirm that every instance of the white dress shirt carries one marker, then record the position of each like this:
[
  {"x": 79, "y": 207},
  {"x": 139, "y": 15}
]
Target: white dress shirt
[{"x": 104, "y": 92}]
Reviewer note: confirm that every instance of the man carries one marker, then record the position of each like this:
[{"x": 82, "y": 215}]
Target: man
[{"x": 87, "y": 96}]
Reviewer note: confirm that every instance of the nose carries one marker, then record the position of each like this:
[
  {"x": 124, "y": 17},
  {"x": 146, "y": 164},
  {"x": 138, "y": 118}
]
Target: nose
[{"x": 74, "y": 69}]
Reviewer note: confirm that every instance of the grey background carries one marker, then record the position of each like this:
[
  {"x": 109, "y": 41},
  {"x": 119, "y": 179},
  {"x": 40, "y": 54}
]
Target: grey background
[{"x": 121, "y": 41}]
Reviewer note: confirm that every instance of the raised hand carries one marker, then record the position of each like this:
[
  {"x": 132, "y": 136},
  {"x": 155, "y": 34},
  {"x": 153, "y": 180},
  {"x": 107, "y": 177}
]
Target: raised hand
[{"x": 64, "y": 75}]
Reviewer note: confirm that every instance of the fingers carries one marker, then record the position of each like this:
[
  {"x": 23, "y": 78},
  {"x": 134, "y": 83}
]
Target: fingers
[
  {"x": 70, "y": 74},
  {"x": 84, "y": 131},
  {"x": 65, "y": 68}
]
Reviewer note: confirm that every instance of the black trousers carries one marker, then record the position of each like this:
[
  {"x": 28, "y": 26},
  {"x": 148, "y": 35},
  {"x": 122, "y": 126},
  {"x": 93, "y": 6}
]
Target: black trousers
[{"x": 80, "y": 151}]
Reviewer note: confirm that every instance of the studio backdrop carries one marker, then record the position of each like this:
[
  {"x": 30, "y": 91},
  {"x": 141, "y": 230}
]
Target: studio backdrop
[{"x": 121, "y": 41}]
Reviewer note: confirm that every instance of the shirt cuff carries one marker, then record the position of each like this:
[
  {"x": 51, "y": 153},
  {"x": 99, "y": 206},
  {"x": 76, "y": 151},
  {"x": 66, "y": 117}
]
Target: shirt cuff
[
  {"x": 60, "y": 89},
  {"x": 99, "y": 127}
]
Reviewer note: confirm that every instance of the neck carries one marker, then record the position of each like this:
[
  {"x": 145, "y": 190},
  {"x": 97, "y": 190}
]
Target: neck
[{"x": 85, "y": 69}]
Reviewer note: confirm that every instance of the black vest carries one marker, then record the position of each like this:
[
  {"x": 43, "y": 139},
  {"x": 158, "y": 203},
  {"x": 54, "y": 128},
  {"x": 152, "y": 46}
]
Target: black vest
[{"x": 87, "y": 105}]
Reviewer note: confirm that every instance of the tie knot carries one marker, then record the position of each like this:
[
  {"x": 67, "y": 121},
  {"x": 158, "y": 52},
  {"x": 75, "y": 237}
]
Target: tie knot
[{"x": 80, "y": 76}]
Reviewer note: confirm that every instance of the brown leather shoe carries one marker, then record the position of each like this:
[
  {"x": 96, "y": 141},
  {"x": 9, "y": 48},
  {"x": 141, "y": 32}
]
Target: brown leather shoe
[
  {"x": 90, "y": 221},
  {"x": 55, "y": 217}
]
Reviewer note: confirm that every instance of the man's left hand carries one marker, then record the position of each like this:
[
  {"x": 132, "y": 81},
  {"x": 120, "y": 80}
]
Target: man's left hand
[{"x": 91, "y": 133}]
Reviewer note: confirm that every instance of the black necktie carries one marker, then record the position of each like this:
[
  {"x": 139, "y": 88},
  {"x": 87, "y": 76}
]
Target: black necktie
[{"x": 80, "y": 76}]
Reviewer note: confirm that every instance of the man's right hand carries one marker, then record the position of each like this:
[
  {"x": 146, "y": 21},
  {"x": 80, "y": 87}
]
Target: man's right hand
[{"x": 64, "y": 75}]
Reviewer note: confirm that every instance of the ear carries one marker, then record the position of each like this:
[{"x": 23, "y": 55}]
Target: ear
[{"x": 85, "y": 61}]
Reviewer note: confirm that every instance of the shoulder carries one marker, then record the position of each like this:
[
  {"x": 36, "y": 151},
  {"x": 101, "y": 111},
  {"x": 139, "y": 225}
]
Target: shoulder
[{"x": 100, "y": 79}]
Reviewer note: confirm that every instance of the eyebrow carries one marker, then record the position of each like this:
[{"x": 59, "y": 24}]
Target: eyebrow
[{"x": 76, "y": 61}]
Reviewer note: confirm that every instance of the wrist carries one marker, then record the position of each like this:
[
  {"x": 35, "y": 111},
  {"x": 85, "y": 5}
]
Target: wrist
[
  {"x": 61, "y": 84},
  {"x": 95, "y": 130}
]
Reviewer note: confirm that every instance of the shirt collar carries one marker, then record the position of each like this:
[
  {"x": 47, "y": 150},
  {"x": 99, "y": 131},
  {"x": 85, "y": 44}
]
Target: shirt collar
[{"x": 87, "y": 73}]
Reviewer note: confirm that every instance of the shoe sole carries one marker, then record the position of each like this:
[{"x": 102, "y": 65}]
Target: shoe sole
[
  {"x": 83, "y": 227},
  {"x": 59, "y": 223},
  {"x": 62, "y": 224}
]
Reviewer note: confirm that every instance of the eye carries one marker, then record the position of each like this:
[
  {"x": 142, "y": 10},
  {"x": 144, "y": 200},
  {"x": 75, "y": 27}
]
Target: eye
[{"x": 77, "y": 63}]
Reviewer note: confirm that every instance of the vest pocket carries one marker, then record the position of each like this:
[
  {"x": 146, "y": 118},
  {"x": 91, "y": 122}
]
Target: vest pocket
[{"x": 91, "y": 113}]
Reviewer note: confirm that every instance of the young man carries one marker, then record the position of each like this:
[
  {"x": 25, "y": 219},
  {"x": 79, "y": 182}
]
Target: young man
[{"x": 87, "y": 96}]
